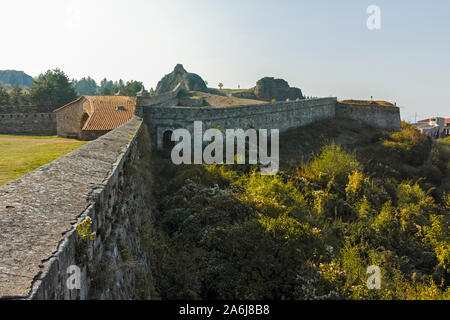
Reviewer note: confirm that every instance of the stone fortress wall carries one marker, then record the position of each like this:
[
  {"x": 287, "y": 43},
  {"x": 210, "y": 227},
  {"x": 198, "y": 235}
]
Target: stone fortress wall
[
  {"x": 28, "y": 123},
  {"x": 281, "y": 115},
  {"x": 39, "y": 214},
  {"x": 164, "y": 116},
  {"x": 107, "y": 180},
  {"x": 373, "y": 115}
]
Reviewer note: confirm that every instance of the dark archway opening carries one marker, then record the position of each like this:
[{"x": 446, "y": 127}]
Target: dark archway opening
[{"x": 168, "y": 144}]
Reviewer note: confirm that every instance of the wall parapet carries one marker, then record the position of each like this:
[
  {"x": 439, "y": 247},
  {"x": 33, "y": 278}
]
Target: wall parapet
[
  {"x": 28, "y": 123},
  {"x": 39, "y": 214},
  {"x": 278, "y": 115},
  {"x": 385, "y": 117}
]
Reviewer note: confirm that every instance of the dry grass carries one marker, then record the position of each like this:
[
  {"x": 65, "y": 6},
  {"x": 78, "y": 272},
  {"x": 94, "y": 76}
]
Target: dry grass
[
  {"x": 223, "y": 101},
  {"x": 368, "y": 102}
]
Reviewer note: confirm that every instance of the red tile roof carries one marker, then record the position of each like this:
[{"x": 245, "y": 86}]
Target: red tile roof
[
  {"x": 447, "y": 121},
  {"x": 109, "y": 112}
]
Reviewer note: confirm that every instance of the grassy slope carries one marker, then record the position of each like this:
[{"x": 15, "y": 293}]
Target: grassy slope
[
  {"x": 381, "y": 159},
  {"x": 20, "y": 157}
]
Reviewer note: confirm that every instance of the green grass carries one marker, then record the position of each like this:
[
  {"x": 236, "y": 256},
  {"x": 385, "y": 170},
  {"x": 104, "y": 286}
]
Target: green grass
[
  {"x": 20, "y": 157},
  {"x": 29, "y": 137}
]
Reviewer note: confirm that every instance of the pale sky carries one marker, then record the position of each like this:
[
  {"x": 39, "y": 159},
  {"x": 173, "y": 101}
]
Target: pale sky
[{"x": 323, "y": 46}]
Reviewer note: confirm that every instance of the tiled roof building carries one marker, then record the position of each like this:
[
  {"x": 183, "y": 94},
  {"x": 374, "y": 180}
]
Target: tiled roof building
[
  {"x": 434, "y": 127},
  {"x": 89, "y": 117}
]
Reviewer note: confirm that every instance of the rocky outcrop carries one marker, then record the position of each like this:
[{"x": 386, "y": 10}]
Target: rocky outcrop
[
  {"x": 269, "y": 88},
  {"x": 192, "y": 81},
  {"x": 245, "y": 95}
]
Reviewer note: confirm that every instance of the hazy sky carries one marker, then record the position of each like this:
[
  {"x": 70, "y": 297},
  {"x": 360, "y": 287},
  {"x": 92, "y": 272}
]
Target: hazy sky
[{"x": 322, "y": 46}]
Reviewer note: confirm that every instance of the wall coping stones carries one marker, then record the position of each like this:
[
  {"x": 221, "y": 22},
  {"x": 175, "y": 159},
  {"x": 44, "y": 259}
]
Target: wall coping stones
[{"x": 40, "y": 211}]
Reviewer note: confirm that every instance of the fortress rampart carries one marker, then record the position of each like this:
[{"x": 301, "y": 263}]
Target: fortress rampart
[
  {"x": 161, "y": 118},
  {"x": 28, "y": 123},
  {"x": 373, "y": 115},
  {"x": 39, "y": 214},
  {"x": 108, "y": 181}
]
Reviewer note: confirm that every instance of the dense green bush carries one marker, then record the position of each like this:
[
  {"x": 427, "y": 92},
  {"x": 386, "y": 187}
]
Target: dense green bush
[{"x": 224, "y": 232}]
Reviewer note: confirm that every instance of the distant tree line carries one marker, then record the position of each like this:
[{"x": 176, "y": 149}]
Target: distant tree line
[
  {"x": 88, "y": 86},
  {"x": 53, "y": 89}
]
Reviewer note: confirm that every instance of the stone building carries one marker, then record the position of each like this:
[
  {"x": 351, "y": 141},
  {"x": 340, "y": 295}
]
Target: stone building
[
  {"x": 435, "y": 127},
  {"x": 90, "y": 117}
]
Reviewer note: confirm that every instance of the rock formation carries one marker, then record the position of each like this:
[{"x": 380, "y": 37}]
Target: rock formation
[
  {"x": 192, "y": 81},
  {"x": 269, "y": 88}
]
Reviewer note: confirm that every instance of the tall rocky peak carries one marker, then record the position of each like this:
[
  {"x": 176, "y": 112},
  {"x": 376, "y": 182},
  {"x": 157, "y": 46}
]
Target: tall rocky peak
[
  {"x": 179, "y": 69},
  {"x": 192, "y": 81},
  {"x": 269, "y": 88}
]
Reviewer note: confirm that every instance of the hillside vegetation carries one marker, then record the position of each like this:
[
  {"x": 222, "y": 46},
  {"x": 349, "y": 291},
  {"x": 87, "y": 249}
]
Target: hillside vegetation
[{"x": 347, "y": 197}]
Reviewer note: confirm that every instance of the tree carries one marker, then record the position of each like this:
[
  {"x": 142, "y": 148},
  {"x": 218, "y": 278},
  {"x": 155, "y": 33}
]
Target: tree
[
  {"x": 118, "y": 85},
  {"x": 52, "y": 89},
  {"x": 4, "y": 97},
  {"x": 16, "y": 96},
  {"x": 220, "y": 85},
  {"x": 131, "y": 88},
  {"x": 85, "y": 86},
  {"x": 106, "y": 87}
]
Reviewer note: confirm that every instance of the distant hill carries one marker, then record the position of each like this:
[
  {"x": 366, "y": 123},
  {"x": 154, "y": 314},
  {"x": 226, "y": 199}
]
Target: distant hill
[{"x": 9, "y": 78}]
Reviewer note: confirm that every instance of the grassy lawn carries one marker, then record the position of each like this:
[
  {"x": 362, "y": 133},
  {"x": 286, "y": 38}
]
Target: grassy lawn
[
  {"x": 8, "y": 136},
  {"x": 22, "y": 154}
]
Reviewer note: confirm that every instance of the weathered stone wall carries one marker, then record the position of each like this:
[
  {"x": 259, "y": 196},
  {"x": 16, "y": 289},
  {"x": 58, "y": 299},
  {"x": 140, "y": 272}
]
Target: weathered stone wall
[
  {"x": 280, "y": 115},
  {"x": 162, "y": 100},
  {"x": 68, "y": 120},
  {"x": 26, "y": 109},
  {"x": 191, "y": 102},
  {"x": 244, "y": 95},
  {"x": 374, "y": 115},
  {"x": 106, "y": 180},
  {"x": 88, "y": 135},
  {"x": 28, "y": 123}
]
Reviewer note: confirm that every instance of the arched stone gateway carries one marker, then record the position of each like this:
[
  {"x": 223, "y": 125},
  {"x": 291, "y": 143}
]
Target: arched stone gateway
[
  {"x": 167, "y": 143},
  {"x": 164, "y": 138}
]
